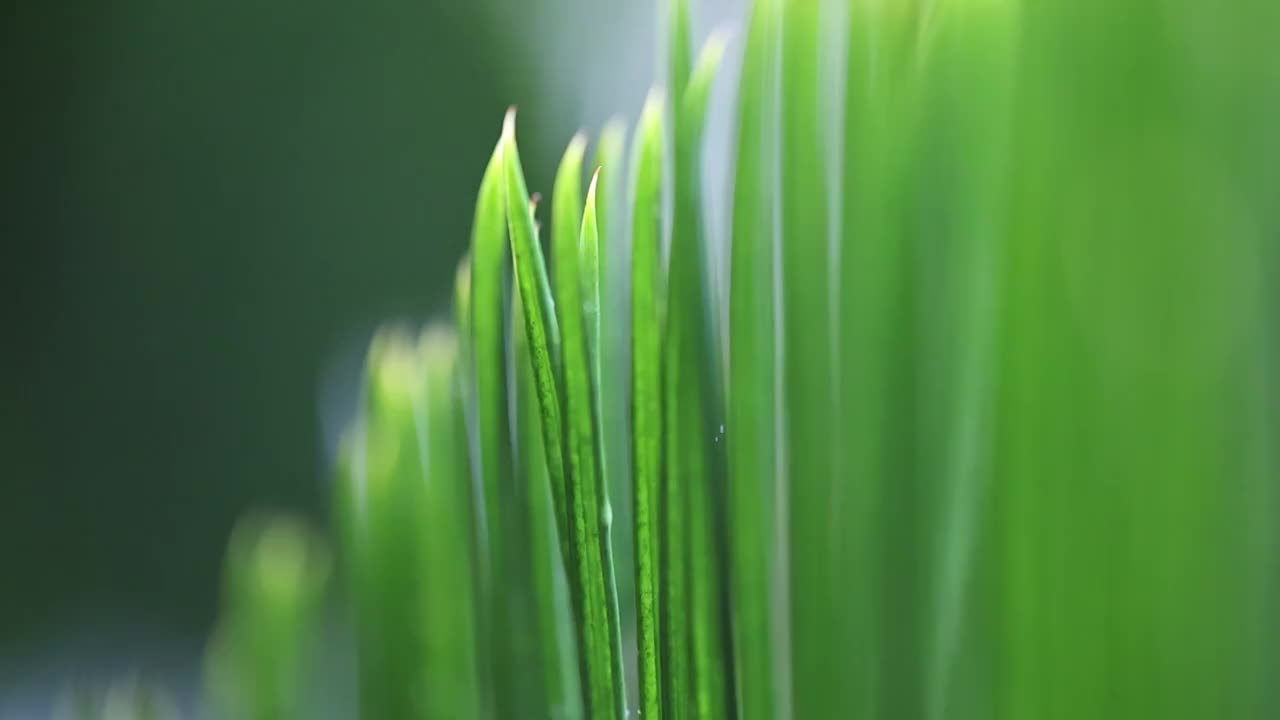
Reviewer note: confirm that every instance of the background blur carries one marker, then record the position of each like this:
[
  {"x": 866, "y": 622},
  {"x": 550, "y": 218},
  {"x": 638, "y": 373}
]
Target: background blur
[{"x": 207, "y": 209}]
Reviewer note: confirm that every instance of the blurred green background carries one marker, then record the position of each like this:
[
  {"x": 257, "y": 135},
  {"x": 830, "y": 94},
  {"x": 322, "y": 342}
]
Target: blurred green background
[{"x": 208, "y": 207}]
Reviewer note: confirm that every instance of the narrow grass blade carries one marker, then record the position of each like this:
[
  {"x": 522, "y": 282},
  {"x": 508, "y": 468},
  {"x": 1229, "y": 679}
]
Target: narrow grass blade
[
  {"x": 262, "y": 653},
  {"x": 540, "y": 326},
  {"x": 646, "y": 391},
  {"x": 813, "y": 439},
  {"x": 694, "y": 474},
  {"x": 615, "y": 264},
  {"x": 486, "y": 337},
  {"x": 589, "y": 272},
  {"x": 606, "y": 697},
  {"x": 751, "y": 436},
  {"x": 555, "y": 620}
]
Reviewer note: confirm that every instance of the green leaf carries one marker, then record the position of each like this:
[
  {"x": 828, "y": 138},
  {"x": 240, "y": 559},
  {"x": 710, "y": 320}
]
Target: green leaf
[
  {"x": 752, "y": 413},
  {"x": 646, "y": 390}
]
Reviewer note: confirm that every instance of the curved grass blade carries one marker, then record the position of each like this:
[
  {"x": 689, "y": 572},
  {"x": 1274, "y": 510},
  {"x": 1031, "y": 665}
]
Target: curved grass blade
[
  {"x": 541, "y": 329},
  {"x": 752, "y": 376},
  {"x": 646, "y": 389},
  {"x": 555, "y": 620},
  {"x": 606, "y": 697},
  {"x": 700, "y": 657},
  {"x": 809, "y": 371}
]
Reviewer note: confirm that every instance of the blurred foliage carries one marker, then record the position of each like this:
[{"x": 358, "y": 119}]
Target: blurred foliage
[{"x": 203, "y": 203}]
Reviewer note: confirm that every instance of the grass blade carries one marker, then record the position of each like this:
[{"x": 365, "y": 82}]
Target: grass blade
[
  {"x": 812, "y": 437},
  {"x": 606, "y": 695},
  {"x": 646, "y": 389},
  {"x": 752, "y": 455},
  {"x": 879, "y": 525},
  {"x": 589, "y": 273},
  {"x": 406, "y": 512},
  {"x": 541, "y": 329},
  {"x": 615, "y": 264},
  {"x": 555, "y": 619},
  {"x": 694, "y": 474},
  {"x": 259, "y": 661}
]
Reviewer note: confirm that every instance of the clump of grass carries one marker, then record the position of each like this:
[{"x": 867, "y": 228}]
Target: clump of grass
[{"x": 987, "y": 441}]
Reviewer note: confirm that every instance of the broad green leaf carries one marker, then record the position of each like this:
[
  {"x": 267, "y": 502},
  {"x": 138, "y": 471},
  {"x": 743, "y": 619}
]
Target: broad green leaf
[
  {"x": 700, "y": 657},
  {"x": 752, "y": 413},
  {"x": 646, "y": 391},
  {"x": 812, "y": 428}
]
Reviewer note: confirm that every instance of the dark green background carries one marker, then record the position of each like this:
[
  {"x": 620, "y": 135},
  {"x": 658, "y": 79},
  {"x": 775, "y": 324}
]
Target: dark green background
[{"x": 203, "y": 204}]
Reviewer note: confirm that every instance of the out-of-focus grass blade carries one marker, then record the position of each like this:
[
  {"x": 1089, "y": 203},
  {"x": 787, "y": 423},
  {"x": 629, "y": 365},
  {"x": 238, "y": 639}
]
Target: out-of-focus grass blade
[
  {"x": 962, "y": 102},
  {"x": 606, "y": 696},
  {"x": 446, "y": 526},
  {"x": 1129, "y": 313},
  {"x": 258, "y": 665},
  {"x": 692, "y": 503},
  {"x": 877, "y": 516},
  {"x": 679, "y": 50},
  {"x": 555, "y": 619},
  {"x": 751, "y": 410},
  {"x": 484, "y": 377},
  {"x": 813, "y": 437},
  {"x": 646, "y": 390},
  {"x": 405, "y": 507}
]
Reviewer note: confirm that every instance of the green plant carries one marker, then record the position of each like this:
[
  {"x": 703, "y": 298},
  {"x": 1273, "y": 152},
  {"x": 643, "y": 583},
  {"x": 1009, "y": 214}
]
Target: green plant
[{"x": 990, "y": 438}]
